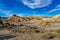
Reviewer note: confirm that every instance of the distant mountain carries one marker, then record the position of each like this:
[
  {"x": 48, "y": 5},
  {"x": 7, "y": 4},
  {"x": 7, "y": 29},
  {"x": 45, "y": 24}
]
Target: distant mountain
[
  {"x": 3, "y": 18},
  {"x": 57, "y": 18},
  {"x": 16, "y": 18}
]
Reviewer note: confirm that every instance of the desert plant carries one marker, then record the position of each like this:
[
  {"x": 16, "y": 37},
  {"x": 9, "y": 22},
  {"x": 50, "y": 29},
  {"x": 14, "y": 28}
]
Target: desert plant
[
  {"x": 45, "y": 24},
  {"x": 12, "y": 25},
  {"x": 14, "y": 15},
  {"x": 49, "y": 35},
  {"x": 21, "y": 25},
  {"x": 1, "y": 22},
  {"x": 58, "y": 32},
  {"x": 6, "y": 25}
]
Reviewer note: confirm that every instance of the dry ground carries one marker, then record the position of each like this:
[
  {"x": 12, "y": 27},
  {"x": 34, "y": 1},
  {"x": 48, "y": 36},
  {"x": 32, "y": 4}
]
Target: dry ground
[{"x": 45, "y": 33}]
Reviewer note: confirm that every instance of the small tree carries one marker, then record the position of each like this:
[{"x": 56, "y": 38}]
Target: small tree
[
  {"x": 14, "y": 15},
  {"x": 1, "y": 22}
]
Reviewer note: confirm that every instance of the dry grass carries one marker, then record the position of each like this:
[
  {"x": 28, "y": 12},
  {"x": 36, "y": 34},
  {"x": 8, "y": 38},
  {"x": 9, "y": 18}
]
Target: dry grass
[{"x": 32, "y": 32}]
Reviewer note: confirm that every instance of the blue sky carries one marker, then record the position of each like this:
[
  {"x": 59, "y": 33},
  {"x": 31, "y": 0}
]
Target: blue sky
[{"x": 29, "y": 7}]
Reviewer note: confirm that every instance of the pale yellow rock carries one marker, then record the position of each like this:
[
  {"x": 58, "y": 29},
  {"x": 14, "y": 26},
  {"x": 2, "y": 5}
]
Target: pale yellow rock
[
  {"x": 45, "y": 24},
  {"x": 57, "y": 18}
]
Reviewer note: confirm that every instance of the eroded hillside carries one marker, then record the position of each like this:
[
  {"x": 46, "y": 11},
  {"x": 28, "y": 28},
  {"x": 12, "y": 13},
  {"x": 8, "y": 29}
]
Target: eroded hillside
[{"x": 31, "y": 28}]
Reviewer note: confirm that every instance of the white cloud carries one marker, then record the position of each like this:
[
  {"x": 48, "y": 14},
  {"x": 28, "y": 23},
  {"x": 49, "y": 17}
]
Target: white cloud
[
  {"x": 56, "y": 9},
  {"x": 20, "y": 15},
  {"x": 8, "y": 13},
  {"x": 58, "y": 6},
  {"x": 36, "y": 3},
  {"x": 40, "y": 14}
]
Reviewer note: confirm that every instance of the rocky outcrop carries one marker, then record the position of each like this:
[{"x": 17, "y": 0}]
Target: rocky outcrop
[
  {"x": 15, "y": 18},
  {"x": 57, "y": 18}
]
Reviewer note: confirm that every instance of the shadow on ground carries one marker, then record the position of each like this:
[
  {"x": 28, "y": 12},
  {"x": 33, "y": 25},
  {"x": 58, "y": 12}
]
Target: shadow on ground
[{"x": 6, "y": 37}]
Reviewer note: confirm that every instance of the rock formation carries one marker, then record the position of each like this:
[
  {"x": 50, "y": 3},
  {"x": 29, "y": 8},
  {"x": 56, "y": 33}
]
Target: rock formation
[
  {"x": 57, "y": 18},
  {"x": 15, "y": 18}
]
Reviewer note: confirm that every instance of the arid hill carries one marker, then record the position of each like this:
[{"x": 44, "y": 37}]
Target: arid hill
[
  {"x": 15, "y": 18},
  {"x": 57, "y": 18},
  {"x": 30, "y": 28},
  {"x": 44, "y": 21},
  {"x": 52, "y": 19}
]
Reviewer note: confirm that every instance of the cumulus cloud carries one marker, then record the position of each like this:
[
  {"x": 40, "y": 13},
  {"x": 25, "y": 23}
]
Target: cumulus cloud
[
  {"x": 8, "y": 13},
  {"x": 56, "y": 9},
  {"x": 36, "y": 3}
]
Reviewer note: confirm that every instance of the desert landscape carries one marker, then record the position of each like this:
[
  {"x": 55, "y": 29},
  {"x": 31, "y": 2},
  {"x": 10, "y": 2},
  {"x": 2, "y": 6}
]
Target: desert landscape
[
  {"x": 29, "y": 19},
  {"x": 30, "y": 28}
]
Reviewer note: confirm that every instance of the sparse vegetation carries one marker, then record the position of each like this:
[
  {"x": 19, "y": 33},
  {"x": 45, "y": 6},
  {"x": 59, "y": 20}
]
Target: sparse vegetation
[
  {"x": 1, "y": 22},
  {"x": 28, "y": 30}
]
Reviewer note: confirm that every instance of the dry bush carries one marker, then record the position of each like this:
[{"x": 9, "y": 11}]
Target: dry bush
[
  {"x": 57, "y": 18},
  {"x": 49, "y": 35},
  {"x": 4, "y": 25},
  {"x": 45, "y": 24},
  {"x": 58, "y": 32},
  {"x": 27, "y": 29},
  {"x": 34, "y": 17}
]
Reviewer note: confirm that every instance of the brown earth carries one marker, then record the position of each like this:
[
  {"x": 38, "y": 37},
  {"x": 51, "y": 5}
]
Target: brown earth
[{"x": 32, "y": 28}]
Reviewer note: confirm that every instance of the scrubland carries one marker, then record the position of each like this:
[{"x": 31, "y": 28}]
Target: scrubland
[{"x": 30, "y": 28}]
